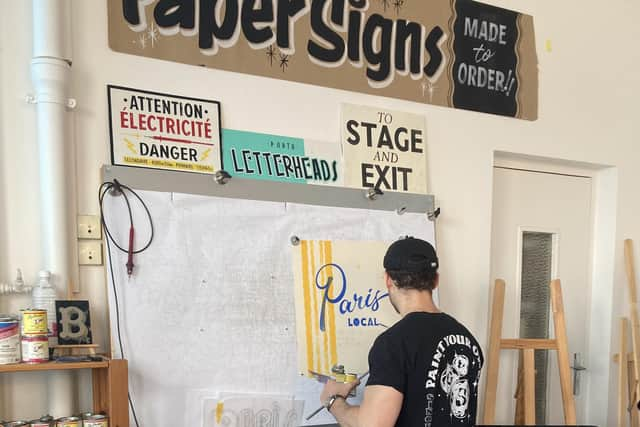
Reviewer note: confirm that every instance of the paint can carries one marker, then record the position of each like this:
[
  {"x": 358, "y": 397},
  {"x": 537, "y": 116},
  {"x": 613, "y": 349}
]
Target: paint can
[
  {"x": 16, "y": 424},
  {"x": 35, "y": 349},
  {"x": 34, "y": 322},
  {"x": 69, "y": 422},
  {"x": 85, "y": 416},
  {"x": 44, "y": 421},
  {"x": 7, "y": 320},
  {"x": 9, "y": 340},
  {"x": 96, "y": 421},
  {"x": 349, "y": 378}
]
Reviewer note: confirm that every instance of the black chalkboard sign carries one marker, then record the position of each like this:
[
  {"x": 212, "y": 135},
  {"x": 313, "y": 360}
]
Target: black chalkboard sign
[{"x": 485, "y": 68}]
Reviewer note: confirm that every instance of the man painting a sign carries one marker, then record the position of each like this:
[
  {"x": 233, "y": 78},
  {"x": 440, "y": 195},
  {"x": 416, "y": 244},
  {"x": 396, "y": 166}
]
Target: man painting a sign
[{"x": 425, "y": 369}]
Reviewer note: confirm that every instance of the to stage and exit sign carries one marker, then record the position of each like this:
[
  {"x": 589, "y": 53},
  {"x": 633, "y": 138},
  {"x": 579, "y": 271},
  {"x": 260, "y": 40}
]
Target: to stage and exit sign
[
  {"x": 384, "y": 149},
  {"x": 160, "y": 131}
]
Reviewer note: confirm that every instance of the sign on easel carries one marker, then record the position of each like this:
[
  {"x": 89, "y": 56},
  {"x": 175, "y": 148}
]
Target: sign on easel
[{"x": 160, "y": 131}]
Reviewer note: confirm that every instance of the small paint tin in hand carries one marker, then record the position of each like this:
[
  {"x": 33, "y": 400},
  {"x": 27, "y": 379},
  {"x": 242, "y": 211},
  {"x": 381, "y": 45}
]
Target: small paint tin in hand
[
  {"x": 69, "y": 422},
  {"x": 96, "y": 421},
  {"x": 349, "y": 378},
  {"x": 35, "y": 349},
  {"x": 34, "y": 322}
]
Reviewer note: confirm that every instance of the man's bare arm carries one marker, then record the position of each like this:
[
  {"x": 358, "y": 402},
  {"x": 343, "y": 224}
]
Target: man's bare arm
[{"x": 380, "y": 408}]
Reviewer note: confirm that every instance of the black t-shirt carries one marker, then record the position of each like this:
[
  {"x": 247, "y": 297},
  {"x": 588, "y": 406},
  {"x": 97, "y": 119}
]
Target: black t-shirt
[{"x": 435, "y": 362}]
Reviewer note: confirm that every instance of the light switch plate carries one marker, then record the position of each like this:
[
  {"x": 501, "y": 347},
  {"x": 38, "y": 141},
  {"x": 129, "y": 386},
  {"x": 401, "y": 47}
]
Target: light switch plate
[
  {"x": 89, "y": 227},
  {"x": 90, "y": 252}
]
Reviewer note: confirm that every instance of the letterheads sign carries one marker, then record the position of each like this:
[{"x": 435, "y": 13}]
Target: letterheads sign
[
  {"x": 281, "y": 158},
  {"x": 451, "y": 53}
]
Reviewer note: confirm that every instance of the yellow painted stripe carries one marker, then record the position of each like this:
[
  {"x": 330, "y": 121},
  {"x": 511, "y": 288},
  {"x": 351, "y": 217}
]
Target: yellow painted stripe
[
  {"x": 325, "y": 334},
  {"x": 328, "y": 256},
  {"x": 219, "y": 412},
  {"x": 315, "y": 310},
  {"x": 307, "y": 304}
]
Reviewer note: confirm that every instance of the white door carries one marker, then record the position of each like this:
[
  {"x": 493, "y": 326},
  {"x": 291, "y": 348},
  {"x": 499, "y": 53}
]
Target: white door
[{"x": 542, "y": 230}]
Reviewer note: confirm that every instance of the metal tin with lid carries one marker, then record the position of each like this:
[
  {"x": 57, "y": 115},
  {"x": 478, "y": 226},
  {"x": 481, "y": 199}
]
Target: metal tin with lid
[
  {"x": 34, "y": 322},
  {"x": 44, "y": 421},
  {"x": 7, "y": 318},
  {"x": 97, "y": 420},
  {"x": 35, "y": 348},
  {"x": 69, "y": 422},
  {"x": 9, "y": 340}
]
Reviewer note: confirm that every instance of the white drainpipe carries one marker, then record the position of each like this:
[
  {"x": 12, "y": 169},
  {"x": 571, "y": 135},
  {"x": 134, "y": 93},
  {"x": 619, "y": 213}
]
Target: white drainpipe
[{"x": 51, "y": 73}]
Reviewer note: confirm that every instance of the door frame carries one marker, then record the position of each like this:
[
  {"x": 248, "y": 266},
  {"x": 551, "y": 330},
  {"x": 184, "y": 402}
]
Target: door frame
[{"x": 604, "y": 203}]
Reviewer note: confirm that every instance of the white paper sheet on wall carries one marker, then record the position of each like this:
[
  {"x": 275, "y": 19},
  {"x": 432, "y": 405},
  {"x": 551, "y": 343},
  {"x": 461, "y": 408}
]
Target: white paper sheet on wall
[{"x": 211, "y": 302}]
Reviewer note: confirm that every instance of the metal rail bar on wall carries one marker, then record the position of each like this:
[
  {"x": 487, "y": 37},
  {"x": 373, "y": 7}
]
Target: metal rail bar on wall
[{"x": 239, "y": 188}]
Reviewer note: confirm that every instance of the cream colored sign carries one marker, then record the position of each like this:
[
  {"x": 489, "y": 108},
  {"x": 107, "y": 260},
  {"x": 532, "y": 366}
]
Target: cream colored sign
[
  {"x": 162, "y": 131},
  {"x": 452, "y": 53},
  {"x": 384, "y": 149},
  {"x": 341, "y": 303}
]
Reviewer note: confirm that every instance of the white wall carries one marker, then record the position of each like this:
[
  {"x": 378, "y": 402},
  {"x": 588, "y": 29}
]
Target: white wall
[{"x": 588, "y": 88}]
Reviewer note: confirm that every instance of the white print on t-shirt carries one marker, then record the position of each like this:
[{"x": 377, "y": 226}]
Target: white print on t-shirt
[
  {"x": 455, "y": 386},
  {"x": 451, "y": 384},
  {"x": 461, "y": 365},
  {"x": 444, "y": 343},
  {"x": 459, "y": 398}
]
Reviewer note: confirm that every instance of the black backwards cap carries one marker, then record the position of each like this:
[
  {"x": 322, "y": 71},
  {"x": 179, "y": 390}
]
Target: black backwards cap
[{"x": 411, "y": 255}]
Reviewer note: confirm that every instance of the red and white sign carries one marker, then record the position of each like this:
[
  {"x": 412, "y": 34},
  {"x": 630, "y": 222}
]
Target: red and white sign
[{"x": 160, "y": 131}]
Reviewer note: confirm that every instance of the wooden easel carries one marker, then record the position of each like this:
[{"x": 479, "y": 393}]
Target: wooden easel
[
  {"x": 626, "y": 382},
  {"x": 75, "y": 349},
  {"x": 528, "y": 347},
  {"x": 635, "y": 322},
  {"x": 628, "y": 368}
]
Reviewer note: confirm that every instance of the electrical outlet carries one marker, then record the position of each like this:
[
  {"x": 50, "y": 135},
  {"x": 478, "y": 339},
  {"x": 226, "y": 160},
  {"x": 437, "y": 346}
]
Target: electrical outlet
[
  {"x": 89, "y": 227},
  {"x": 90, "y": 253}
]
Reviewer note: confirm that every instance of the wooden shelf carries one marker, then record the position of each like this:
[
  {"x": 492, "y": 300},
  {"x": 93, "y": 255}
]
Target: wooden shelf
[
  {"x": 110, "y": 384},
  {"x": 53, "y": 366}
]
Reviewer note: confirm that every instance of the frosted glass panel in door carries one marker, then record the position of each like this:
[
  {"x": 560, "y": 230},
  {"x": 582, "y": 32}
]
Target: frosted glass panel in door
[{"x": 537, "y": 261}]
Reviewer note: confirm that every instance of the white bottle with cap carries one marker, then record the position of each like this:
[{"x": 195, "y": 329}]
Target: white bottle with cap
[{"x": 44, "y": 298}]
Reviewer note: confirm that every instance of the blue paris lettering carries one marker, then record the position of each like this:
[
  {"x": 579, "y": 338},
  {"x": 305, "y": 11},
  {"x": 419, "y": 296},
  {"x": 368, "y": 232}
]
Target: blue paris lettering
[
  {"x": 326, "y": 287},
  {"x": 346, "y": 303}
]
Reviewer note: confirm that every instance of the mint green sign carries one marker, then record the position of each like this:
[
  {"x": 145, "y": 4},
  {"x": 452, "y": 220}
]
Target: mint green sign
[{"x": 280, "y": 158}]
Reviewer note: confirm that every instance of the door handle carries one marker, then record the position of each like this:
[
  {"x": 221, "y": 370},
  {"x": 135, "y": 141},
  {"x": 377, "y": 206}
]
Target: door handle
[{"x": 577, "y": 369}]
